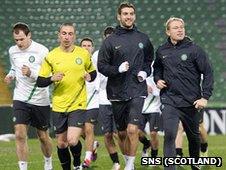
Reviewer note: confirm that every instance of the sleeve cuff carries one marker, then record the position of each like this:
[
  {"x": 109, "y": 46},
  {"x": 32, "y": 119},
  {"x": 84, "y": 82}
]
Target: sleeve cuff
[
  {"x": 206, "y": 97},
  {"x": 142, "y": 75}
]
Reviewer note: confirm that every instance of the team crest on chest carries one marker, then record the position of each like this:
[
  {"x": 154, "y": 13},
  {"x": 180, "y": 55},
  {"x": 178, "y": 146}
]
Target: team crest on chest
[
  {"x": 78, "y": 61},
  {"x": 31, "y": 59},
  {"x": 141, "y": 45},
  {"x": 184, "y": 57}
]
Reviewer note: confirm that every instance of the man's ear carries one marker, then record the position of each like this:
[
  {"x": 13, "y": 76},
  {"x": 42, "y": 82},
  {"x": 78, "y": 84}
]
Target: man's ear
[
  {"x": 29, "y": 35},
  {"x": 167, "y": 33},
  {"x": 118, "y": 17}
]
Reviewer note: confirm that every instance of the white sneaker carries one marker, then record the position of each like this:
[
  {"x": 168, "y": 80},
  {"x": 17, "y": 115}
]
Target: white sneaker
[
  {"x": 204, "y": 154},
  {"x": 77, "y": 168},
  {"x": 144, "y": 153},
  {"x": 48, "y": 166},
  {"x": 116, "y": 166}
]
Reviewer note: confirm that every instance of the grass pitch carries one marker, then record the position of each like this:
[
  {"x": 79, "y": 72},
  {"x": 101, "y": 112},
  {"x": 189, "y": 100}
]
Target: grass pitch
[{"x": 8, "y": 159}]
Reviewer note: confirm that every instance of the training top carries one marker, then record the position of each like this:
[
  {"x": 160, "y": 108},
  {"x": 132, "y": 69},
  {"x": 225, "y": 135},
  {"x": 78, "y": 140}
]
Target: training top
[
  {"x": 181, "y": 67},
  {"x": 69, "y": 94},
  {"x": 92, "y": 89},
  {"x": 152, "y": 102},
  {"x": 103, "y": 100},
  {"x": 125, "y": 45},
  {"x": 25, "y": 87}
]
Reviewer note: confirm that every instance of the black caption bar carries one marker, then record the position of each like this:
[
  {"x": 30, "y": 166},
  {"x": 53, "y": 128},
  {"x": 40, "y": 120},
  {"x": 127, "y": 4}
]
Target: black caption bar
[{"x": 166, "y": 161}]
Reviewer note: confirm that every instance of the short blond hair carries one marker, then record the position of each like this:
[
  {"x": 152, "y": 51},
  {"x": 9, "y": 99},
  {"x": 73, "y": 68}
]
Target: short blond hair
[{"x": 171, "y": 19}]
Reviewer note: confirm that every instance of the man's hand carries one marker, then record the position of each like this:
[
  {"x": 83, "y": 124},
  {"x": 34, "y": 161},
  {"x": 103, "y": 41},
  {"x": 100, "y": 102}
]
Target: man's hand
[
  {"x": 57, "y": 77},
  {"x": 161, "y": 84},
  {"x": 123, "y": 67},
  {"x": 8, "y": 79},
  {"x": 26, "y": 71},
  {"x": 87, "y": 77},
  {"x": 200, "y": 103},
  {"x": 150, "y": 89}
]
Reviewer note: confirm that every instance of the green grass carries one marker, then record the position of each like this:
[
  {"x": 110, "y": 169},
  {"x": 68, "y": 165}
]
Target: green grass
[
  {"x": 217, "y": 104},
  {"x": 8, "y": 159}
]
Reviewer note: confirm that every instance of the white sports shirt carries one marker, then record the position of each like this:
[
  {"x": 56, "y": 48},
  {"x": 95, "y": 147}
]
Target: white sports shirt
[
  {"x": 25, "y": 87},
  {"x": 152, "y": 102},
  {"x": 92, "y": 89},
  {"x": 102, "y": 85}
]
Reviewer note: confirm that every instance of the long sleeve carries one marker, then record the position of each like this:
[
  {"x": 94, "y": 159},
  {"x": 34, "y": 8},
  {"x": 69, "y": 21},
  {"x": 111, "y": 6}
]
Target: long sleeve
[
  {"x": 12, "y": 69},
  {"x": 205, "y": 68},
  {"x": 148, "y": 57},
  {"x": 104, "y": 59},
  {"x": 43, "y": 81},
  {"x": 158, "y": 68}
]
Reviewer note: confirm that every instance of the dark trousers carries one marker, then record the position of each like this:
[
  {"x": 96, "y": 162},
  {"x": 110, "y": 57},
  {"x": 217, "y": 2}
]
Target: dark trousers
[{"x": 189, "y": 117}]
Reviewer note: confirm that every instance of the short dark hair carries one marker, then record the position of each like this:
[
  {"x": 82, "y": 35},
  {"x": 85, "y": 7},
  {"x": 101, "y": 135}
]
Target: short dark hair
[
  {"x": 108, "y": 30},
  {"x": 21, "y": 26},
  {"x": 66, "y": 24},
  {"x": 86, "y": 39},
  {"x": 124, "y": 5}
]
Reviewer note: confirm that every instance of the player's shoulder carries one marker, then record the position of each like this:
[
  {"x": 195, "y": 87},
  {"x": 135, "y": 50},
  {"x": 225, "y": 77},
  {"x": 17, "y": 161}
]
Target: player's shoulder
[
  {"x": 39, "y": 46},
  {"x": 54, "y": 51},
  {"x": 80, "y": 49},
  {"x": 95, "y": 54},
  {"x": 164, "y": 46},
  {"x": 13, "y": 49},
  {"x": 142, "y": 34},
  {"x": 82, "y": 52}
]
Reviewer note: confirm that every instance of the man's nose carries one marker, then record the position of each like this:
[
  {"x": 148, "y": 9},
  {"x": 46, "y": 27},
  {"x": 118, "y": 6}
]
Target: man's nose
[
  {"x": 19, "y": 42},
  {"x": 66, "y": 36}
]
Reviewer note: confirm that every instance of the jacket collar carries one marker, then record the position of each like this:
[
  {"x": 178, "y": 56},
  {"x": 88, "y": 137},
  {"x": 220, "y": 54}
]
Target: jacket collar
[
  {"x": 121, "y": 30},
  {"x": 186, "y": 40}
]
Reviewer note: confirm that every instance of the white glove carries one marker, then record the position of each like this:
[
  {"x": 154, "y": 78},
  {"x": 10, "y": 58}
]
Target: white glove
[
  {"x": 142, "y": 75},
  {"x": 123, "y": 67}
]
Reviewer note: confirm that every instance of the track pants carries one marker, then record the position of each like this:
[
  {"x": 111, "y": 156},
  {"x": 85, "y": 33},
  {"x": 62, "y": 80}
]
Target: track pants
[{"x": 189, "y": 117}]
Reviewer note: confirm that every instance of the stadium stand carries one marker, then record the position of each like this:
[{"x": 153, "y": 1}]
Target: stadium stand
[{"x": 206, "y": 24}]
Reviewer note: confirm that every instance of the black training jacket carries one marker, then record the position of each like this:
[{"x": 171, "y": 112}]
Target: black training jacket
[
  {"x": 181, "y": 66},
  {"x": 125, "y": 45}
]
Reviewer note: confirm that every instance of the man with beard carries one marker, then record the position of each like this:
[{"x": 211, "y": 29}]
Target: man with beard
[{"x": 125, "y": 58}]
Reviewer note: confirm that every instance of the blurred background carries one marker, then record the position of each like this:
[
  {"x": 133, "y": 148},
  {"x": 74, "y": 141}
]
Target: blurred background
[{"x": 205, "y": 24}]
